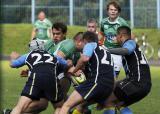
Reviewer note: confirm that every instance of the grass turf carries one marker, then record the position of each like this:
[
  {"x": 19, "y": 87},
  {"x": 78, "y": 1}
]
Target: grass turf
[
  {"x": 15, "y": 37},
  {"x": 12, "y": 84}
]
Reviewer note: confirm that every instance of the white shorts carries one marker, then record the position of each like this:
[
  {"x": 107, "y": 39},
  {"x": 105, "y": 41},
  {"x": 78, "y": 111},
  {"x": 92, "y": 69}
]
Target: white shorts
[{"x": 117, "y": 60}]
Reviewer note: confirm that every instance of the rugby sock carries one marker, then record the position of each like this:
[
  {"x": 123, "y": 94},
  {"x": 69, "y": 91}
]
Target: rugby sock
[
  {"x": 75, "y": 111},
  {"x": 125, "y": 110},
  {"x": 109, "y": 111}
]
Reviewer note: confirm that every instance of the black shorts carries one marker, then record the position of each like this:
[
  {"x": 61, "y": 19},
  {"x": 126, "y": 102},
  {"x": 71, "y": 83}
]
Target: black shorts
[
  {"x": 130, "y": 92},
  {"x": 42, "y": 85},
  {"x": 94, "y": 92}
]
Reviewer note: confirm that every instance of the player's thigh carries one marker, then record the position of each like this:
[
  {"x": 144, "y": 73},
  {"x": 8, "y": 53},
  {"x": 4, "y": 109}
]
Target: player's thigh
[
  {"x": 127, "y": 92},
  {"x": 57, "y": 104},
  {"x": 37, "y": 106},
  {"x": 65, "y": 85},
  {"x": 24, "y": 102}
]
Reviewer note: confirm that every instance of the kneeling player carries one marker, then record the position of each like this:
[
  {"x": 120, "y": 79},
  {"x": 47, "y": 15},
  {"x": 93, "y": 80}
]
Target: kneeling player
[
  {"x": 137, "y": 83},
  {"x": 92, "y": 90}
]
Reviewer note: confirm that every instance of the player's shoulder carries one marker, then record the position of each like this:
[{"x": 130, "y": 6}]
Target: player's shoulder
[
  {"x": 49, "y": 43},
  {"x": 47, "y": 21},
  {"x": 67, "y": 41},
  {"x": 129, "y": 42},
  {"x": 37, "y": 22},
  {"x": 122, "y": 21},
  {"x": 90, "y": 46},
  {"x": 104, "y": 20}
]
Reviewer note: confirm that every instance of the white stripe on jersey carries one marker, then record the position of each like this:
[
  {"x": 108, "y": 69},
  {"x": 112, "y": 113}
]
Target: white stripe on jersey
[
  {"x": 97, "y": 66},
  {"x": 139, "y": 76},
  {"x": 27, "y": 61},
  {"x": 126, "y": 64},
  {"x": 29, "y": 64},
  {"x": 56, "y": 82}
]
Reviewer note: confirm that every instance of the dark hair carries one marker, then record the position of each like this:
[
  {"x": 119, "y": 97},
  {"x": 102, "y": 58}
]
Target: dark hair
[
  {"x": 60, "y": 26},
  {"x": 115, "y": 4},
  {"x": 90, "y": 36},
  {"x": 125, "y": 29},
  {"x": 78, "y": 36}
]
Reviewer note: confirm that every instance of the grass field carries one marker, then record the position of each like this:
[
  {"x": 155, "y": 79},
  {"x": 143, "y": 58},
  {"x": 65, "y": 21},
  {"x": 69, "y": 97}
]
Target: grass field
[
  {"x": 20, "y": 34},
  {"x": 11, "y": 85}
]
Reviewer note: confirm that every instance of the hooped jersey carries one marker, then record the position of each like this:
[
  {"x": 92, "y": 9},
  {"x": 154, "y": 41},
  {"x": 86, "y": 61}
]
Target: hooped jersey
[
  {"x": 136, "y": 66},
  {"x": 40, "y": 58},
  {"x": 100, "y": 66},
  {"x": 110, "y": 31}
]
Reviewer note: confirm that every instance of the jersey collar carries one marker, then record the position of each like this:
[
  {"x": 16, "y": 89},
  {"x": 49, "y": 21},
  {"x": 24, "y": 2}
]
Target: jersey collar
[{"x": 114, "y": 22}]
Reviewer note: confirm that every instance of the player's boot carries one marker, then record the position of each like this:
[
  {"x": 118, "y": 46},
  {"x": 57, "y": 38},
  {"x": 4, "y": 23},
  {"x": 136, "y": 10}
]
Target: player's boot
[
  {"x": 126, "y": 110},
  {"x": 7, "y": 111}
]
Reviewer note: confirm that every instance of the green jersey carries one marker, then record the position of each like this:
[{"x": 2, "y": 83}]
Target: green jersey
[
  {"x": 110, "y": 30},
  {"x": 69, "y": 49},
  {"x": 42, "y": 29},
  {"x": 66, "y": 46},
  {"x": 50, "y": 46}
]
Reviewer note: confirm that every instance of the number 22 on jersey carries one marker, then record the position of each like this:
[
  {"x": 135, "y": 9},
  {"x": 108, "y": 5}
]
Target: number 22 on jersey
[{"x": 48, "y": 58}]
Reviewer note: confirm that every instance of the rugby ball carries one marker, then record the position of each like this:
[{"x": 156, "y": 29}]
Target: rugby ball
[{"x": 78, "y": 79}]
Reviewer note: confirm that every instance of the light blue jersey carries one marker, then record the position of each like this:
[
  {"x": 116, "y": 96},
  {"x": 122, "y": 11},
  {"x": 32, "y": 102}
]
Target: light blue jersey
[
  {"x": 89, "y": 49},
  {"x": 130, "y": 45}
]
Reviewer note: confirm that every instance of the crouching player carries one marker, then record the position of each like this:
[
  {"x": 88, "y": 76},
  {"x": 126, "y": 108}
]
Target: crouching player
[
  {"x": 137, "y": 83},
  {"x": 92, "y": 90},
  {"x": 42, "y": 79}
]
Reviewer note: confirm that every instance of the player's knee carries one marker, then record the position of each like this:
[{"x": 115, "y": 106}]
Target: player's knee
[
  {"x": 42, "y": 106},
  {"x": 38, "y": 107}
]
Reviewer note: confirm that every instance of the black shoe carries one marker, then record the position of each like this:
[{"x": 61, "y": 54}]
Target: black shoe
[
  {"x": 7, "y": 111},
  {"x": 88, "y": 111},
  {"x": 70, "y": 111}
]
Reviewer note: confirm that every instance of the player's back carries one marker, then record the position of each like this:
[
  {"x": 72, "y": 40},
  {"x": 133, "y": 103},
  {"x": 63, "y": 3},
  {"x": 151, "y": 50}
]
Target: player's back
[
  {"x": 101, "y": 66},
  {"x": 136, "y": 66},
  {"x": 67, "y": 47},
  {"x": 41, "y": 61}
]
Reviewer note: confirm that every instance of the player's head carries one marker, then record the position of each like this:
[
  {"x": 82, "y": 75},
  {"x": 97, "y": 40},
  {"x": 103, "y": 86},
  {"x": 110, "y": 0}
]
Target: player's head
[
  {"x": 59, "y": 31},
  {"x": 113, "y": 10},
  {"x": 123, "y": 33},
  {"x": 90, "y": 37},
  {"x": 78, "y": 39},
  {"x": 36, "y": 45},
  {"x": 41, "y": 15},
  {"x": 92, "y": 25}
]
